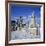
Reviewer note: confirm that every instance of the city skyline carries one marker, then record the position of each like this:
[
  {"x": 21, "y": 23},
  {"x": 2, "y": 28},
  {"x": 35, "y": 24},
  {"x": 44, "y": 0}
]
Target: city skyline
[{"x": 24, "y": 11}]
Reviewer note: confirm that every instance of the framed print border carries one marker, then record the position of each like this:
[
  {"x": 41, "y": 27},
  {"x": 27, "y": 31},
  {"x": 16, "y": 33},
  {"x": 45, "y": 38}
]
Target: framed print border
[{"x": 6, "y": 35}]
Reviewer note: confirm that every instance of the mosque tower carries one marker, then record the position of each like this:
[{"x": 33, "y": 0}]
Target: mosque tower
[
  {"x": 32, "y": 22},
  {"x": 32, "y": 25}
]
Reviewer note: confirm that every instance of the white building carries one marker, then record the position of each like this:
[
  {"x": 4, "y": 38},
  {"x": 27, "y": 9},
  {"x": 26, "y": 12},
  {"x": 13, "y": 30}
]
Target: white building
[{"x": 32, "y": 25}]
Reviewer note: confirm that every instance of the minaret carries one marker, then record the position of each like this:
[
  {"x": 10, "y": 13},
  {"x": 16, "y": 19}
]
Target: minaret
[
  {"x": 32, "y": 22},
  {"x": 32, "y": 26}
]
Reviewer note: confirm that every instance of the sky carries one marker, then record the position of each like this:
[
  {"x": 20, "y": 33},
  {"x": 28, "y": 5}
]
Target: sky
[
  {"x": 21, "y": 10},
  {"x": 25, "y": 10}
]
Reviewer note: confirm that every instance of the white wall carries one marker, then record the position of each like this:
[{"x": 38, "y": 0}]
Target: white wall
[{"x": 3, "y": 23}]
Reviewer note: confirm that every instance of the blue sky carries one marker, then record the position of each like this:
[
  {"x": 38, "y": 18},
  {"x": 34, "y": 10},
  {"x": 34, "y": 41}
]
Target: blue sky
[
  {"x": 21, "y": 10},
  {"x": 25, "y": 10}
]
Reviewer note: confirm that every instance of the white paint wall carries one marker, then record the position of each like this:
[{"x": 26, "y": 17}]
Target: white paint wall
[{"x": 3, "y": 23}]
